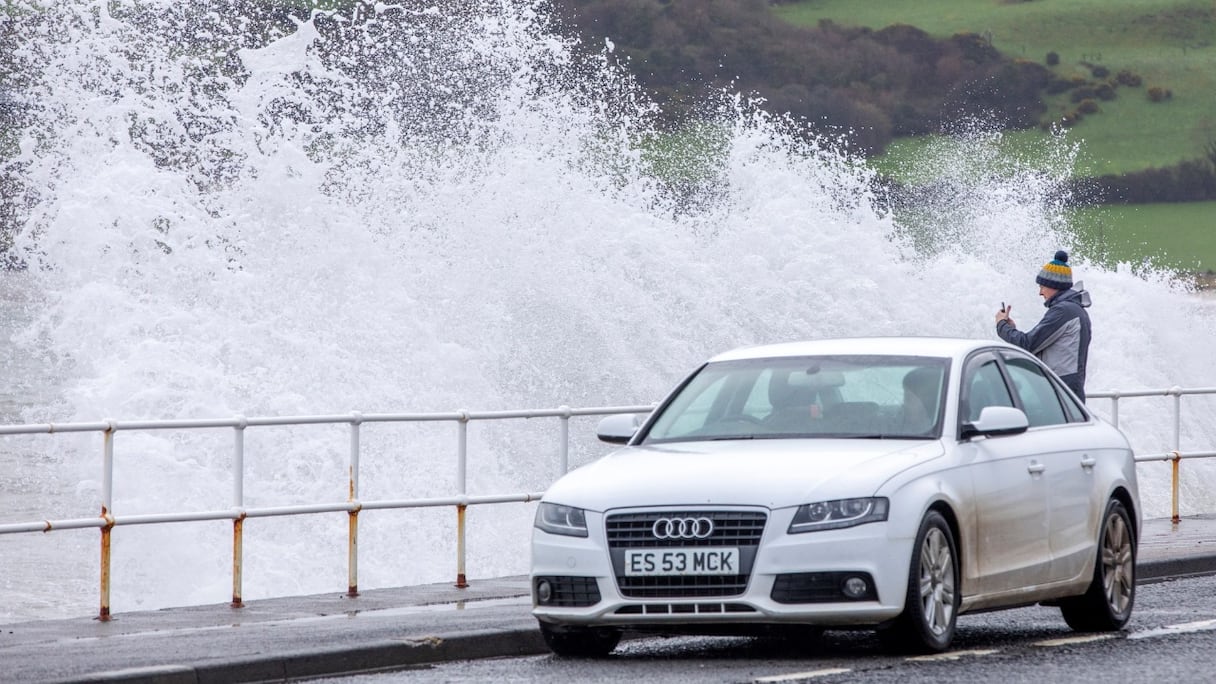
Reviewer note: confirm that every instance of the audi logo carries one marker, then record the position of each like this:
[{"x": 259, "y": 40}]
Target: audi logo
[{"x": 682, "y": 528}]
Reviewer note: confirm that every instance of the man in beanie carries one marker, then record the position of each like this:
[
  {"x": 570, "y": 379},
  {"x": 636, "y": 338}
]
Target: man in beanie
[{"x": 1061, "y": 339}]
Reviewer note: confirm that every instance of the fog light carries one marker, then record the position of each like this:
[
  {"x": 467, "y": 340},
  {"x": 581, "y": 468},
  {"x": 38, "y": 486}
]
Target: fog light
[
  {"x": 855, "y": 587},
  {"x": 544, "y": 591}
]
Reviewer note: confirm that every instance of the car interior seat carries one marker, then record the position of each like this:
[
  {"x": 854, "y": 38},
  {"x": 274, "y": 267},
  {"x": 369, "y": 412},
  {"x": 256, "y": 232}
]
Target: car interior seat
[
  {"x": 792, "y": 404},
  {"x": 922, "y": 388}
]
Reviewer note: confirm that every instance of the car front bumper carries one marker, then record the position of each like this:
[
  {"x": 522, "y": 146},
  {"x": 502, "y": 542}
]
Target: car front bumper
[{"x": 580, "y": 571}]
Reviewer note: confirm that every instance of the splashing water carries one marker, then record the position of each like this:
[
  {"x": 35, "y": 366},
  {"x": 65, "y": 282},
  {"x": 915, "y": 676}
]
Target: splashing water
[{"x": 406, "y": 208}]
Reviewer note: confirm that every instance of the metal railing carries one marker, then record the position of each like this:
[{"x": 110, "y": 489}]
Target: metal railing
[
  {"x": 238, "y": 513},
  {"x": 1174, "y": 456}
]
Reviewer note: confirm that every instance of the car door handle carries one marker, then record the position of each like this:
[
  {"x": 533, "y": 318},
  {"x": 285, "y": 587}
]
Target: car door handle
[
  {"x": 1035, "y": 468},
  {"x": 1088, "y": 462}
]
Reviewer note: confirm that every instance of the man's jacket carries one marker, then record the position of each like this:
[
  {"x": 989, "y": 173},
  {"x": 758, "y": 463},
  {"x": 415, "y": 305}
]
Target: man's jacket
[{"x": 1061, "y": 339}]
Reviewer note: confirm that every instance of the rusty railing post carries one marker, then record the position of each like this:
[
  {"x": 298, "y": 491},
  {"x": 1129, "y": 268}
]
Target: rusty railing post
[
  {"x": 1175, "y": 518},
  {"x": 462, "y": 452},
  {"x": 107, "y": 513},
  {"x": 238, "y": 503},
  {"x": 352, "y": 547}
]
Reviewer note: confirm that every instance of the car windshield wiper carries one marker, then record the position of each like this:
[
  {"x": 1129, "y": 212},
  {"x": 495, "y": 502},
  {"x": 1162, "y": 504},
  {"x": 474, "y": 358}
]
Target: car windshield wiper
[{"x": 723, "y": 438}]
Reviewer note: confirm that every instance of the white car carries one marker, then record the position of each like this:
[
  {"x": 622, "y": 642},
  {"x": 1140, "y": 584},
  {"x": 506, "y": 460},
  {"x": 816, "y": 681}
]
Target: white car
[{"x": 884, "y": 483}]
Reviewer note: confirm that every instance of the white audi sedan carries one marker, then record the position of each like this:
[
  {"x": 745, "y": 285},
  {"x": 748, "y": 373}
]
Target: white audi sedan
[{"x": 885, "y": 483}]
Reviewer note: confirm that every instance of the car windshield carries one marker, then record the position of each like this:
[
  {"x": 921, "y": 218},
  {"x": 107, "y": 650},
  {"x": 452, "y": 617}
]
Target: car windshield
[{"x": 847, "y": 396}]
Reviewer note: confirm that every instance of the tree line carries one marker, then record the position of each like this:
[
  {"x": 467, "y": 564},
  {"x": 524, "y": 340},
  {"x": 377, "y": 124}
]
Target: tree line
[{"x": 875, "y": 85}]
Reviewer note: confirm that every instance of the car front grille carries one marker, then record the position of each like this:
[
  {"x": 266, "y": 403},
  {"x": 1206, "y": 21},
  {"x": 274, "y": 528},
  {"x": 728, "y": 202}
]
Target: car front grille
[{"x": 734, "y": 529}]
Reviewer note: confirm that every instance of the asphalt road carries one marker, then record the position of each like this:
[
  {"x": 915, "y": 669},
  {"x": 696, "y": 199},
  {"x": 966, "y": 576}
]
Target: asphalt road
[
  {"x": 449, "y": 630},
  {"x": 1172, "y": 638}
]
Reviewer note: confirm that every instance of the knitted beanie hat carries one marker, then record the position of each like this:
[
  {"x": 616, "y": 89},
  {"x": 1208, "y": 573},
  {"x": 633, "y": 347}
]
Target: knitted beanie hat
[{"x": 1056, "y": 273}]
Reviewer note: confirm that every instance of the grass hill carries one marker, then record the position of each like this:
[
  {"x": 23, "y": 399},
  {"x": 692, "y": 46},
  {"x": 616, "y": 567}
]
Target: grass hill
[{"x": 1169, "y": 44}]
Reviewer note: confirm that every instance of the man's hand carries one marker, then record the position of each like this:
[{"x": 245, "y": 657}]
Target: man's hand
[{"x": 1003, "y": 315}]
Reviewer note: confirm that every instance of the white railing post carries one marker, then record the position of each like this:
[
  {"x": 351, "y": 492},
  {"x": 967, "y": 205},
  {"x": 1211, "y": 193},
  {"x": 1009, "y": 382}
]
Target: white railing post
[
  {"x": 462, "y": 452},
  {"x": 565, "y": 439},
  {"x": 107, "y": 514},
  {"x": 1114, "y": 409},
  {"x": 352, "y": 547},
  {"x": 1177, "y": 392},
  {"x": 238, "y": 504}
]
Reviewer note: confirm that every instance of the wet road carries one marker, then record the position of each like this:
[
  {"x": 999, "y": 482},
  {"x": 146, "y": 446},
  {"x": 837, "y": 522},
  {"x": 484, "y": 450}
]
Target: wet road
[{"x": 1172, "y": 638}]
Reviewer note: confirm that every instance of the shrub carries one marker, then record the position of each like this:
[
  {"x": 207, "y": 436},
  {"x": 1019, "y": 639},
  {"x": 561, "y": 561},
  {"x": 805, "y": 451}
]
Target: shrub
[
  {"x": 1087, "y": 106},
  {"x": 1105, "y": 92},
  {"x": 1128, "y": 78},
  {"x": 1100, "y": 71},
  {"x": 1055, "y": 86},
  {"x": 1159, "y": 94},
  {"x": 1083, "y": 93},
  {"x": 1053, "y": 58}
]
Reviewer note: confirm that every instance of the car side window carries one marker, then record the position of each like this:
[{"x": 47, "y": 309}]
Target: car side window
[
  {"x": 985, "y": 386},
  {"x": 1038, "y": 396}
]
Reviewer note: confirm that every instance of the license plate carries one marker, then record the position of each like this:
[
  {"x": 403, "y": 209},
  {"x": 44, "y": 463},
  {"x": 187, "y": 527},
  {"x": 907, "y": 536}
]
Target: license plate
[{"x": 694, "y": 561}]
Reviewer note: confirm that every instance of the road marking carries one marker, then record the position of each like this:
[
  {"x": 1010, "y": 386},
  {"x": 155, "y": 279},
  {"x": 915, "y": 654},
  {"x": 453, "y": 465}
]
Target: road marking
[
  {"x": 795, "y": 676},
  {"x": 1085, "y": 639},
  {"x": 950, "y": 655},
  {"x": 1184, "y": 628}
]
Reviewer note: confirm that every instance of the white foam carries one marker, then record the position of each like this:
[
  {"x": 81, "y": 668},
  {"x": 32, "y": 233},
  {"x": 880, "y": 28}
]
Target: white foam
[{"x": 438, "y": 212}]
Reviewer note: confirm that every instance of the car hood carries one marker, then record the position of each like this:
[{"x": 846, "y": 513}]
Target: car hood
[{"x": 772, "y": 473}]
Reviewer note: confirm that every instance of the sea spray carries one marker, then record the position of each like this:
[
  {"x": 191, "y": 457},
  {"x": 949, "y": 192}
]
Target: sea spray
[{"x": 421, "y": 207}]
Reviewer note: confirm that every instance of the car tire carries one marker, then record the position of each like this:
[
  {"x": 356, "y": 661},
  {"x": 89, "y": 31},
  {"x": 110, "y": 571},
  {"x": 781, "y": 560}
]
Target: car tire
[
  {"x": 580, "y": 642},
  {"x": 1106, "y": 605},
  {"x": 931, "y": 607}
]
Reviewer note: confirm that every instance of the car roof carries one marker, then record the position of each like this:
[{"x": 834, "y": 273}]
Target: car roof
[{"x": 944, "y": 347}]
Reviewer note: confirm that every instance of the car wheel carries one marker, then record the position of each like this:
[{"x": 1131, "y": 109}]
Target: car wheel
[
  {"x": 580, "y": 642},
  {"x": 931, "y": 607},
  {"x": 1107, "y": 605}
]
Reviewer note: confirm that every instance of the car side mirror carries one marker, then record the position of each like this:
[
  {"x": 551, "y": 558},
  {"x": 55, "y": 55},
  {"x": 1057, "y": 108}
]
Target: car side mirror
[
  {"x": 995, "y": 421},
  {"x": 619, "y": 429}
]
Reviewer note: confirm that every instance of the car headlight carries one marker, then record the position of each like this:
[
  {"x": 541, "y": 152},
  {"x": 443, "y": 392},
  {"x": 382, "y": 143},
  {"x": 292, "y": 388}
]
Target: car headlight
[
  {"x": 557, "y": 519},
  {"x": 831, "y": 515}
]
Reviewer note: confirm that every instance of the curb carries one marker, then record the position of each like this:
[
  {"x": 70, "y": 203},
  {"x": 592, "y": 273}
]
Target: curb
[
  {"x": 1151, "y": 572},
  {"x": 382, "y": 656},
  {"x": 396, "y": 654}
]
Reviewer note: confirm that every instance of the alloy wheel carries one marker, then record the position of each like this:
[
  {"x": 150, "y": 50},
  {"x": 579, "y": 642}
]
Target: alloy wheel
[
  {"x": 937, "y": 582},
  {"x": 1118, "y": 575}
]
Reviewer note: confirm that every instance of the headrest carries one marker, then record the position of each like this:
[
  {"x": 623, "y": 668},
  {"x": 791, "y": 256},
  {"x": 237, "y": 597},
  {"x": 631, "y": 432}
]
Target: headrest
[{"x": 783, "y": 392}]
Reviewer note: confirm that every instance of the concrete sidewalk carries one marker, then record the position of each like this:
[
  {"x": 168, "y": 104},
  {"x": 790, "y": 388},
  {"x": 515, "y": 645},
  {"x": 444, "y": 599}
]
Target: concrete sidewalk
[{"x": 312, "y": 636}]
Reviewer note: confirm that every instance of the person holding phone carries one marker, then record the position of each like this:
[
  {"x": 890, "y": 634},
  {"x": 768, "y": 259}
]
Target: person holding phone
[{"x": 1061, "y": 338}]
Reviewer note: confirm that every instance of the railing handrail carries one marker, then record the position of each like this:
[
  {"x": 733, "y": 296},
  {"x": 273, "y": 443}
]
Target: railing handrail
[
  {"x": 238, "y": 512},
  {"x": 353, "y": 418}
]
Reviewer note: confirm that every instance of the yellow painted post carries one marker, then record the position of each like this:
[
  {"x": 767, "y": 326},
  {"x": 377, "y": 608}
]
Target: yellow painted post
[
  {"x": 352, "y": 559},
  {"x": 238, "y": 502},
  {"x": 352, "y": 544},
  {"x": 1174, "y": 489},
  {"x": 461, "y": 581},
  {"x": 238, "y": 553},
  {"x": 107, "y": 496},
  {"x": 104, "y": 615}
]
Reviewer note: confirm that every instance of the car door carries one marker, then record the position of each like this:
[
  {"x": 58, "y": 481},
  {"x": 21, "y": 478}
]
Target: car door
[
  {"x": 1070, "y": 461},
  {"x": 1011, "y": 504}
]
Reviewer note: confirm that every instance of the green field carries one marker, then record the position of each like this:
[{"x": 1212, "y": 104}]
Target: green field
[
  {"x": 1169, "y": 43},
  {"x": 1174, "y": 236}
]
